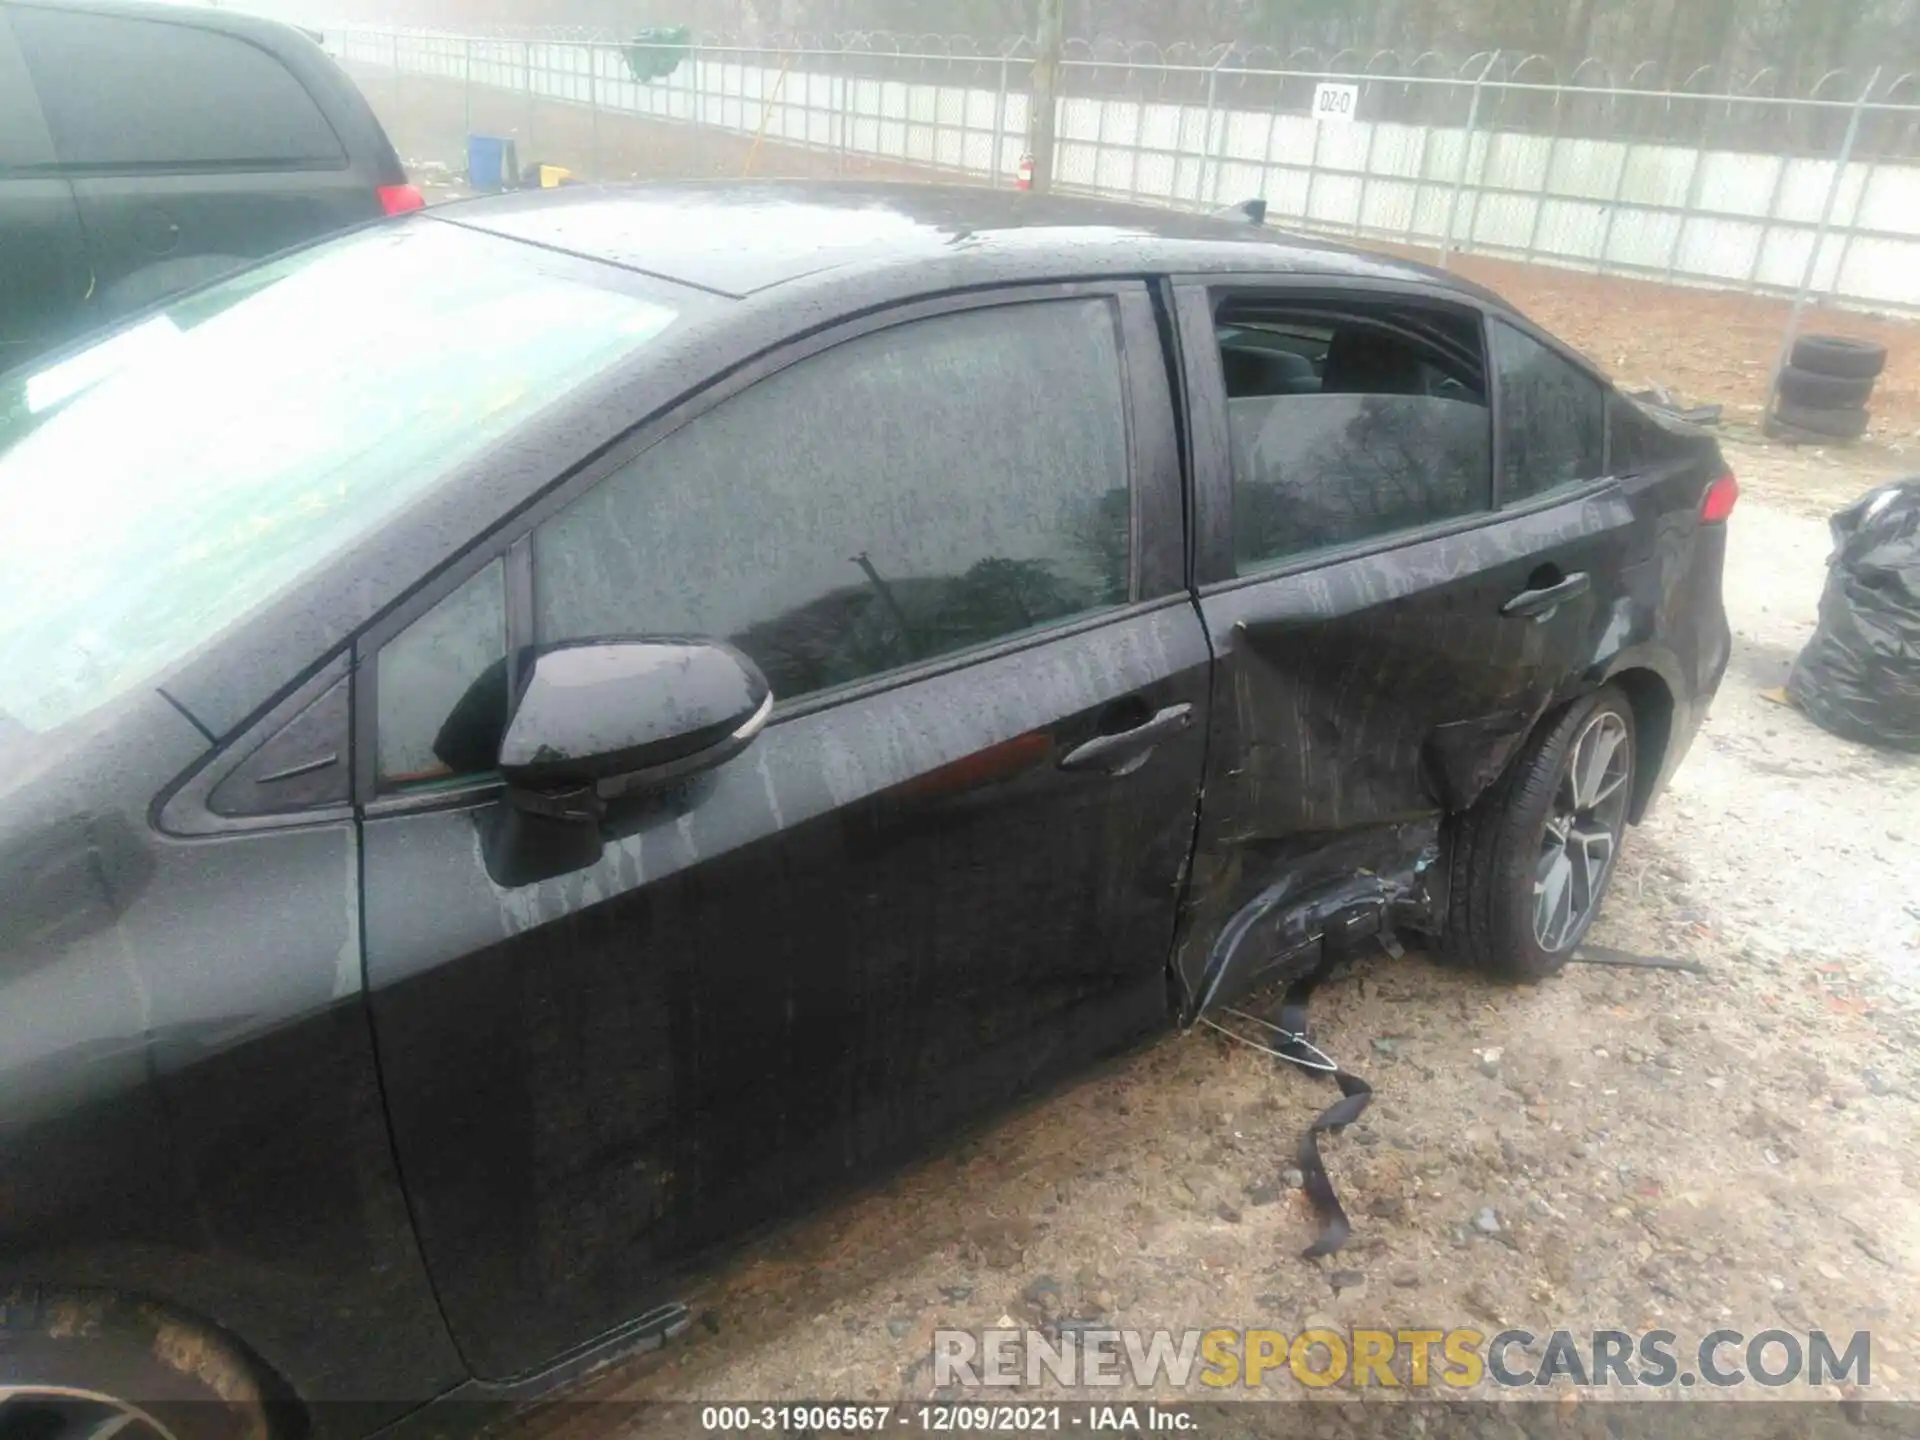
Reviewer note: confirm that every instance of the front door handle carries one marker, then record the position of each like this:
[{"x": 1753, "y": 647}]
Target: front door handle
[
  {"x": 1126, "y": 752},
  {"x": 1535, "y": 604}
]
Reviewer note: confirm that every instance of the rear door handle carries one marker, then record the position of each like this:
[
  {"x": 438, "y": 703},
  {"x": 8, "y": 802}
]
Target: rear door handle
[
  {"x": 1534, "y": 604},
  {"x": 1126, "y": 752}
]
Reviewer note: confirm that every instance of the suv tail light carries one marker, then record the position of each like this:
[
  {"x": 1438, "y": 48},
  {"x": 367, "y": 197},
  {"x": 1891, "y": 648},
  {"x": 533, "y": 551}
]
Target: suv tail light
[
  {"x": 1717, "y": 504},
  {"x": 399, "y": 199}
]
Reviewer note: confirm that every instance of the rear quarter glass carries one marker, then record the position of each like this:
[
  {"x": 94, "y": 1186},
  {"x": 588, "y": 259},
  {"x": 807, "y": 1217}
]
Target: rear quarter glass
[{"x": 1642, "y": 439}]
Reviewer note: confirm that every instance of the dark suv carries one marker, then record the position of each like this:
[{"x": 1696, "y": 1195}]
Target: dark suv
[
  {"x": 145, "y": 148},
  {"x": 539, "y": 737}
]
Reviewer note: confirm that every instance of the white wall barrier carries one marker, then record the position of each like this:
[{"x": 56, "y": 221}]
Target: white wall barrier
[{"x": 1726, "y": 219}]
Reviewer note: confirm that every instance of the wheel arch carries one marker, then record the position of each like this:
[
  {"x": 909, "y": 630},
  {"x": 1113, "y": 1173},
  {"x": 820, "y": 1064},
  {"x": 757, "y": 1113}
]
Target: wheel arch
[
  {"x": 1651, "y": 697},
  {"x": 184, "y": 1338}
]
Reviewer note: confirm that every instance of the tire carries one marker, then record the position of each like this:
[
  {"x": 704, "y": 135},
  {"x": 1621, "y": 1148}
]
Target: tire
[
  {"x": 1824, "y": 392},
  {"x": 1848, "y": 424},
  {"x": 74, "y": 1363},
  {"x": 1502, "y": 849},
  {"x": 1839, "y": 355}
]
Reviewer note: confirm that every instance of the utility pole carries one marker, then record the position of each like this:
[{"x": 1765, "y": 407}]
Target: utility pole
[{"x": 1046, "y": 85}]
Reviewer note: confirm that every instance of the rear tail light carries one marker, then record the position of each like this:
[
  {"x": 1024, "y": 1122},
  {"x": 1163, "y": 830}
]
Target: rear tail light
[
  {"x": 399, "y": 199},
  {"x": 1717, "y": 504}
]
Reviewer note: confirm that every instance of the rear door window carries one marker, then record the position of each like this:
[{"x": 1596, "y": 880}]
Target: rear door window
[
  {"x": 142, "y": 94},
  {"x": 1552, "y": 417},
  {"x": 1349, "y": 422}
]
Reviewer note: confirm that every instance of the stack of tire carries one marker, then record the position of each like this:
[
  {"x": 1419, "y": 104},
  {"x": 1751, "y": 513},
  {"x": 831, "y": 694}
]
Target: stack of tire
[{"x": 1821, "y": 396}]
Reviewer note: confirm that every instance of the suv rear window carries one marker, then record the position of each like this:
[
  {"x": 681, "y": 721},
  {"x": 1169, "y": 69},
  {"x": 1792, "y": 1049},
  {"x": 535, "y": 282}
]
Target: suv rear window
[{"x": 151, "y": 95}]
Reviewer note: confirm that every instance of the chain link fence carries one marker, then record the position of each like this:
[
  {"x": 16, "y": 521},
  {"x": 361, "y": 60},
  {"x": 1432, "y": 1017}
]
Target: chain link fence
[{"x": 1722, "y": 185}]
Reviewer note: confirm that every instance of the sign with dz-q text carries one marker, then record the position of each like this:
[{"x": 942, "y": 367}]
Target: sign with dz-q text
[{"x": 1335, "y": 102}]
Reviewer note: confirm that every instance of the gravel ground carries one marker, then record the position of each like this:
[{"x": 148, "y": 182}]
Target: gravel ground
[
  {"x": 1657, "y": 1149},
  {"x": 1800, "y": 844}
]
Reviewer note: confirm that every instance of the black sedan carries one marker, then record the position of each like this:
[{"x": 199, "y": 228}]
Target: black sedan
[{"x": 538, "y": 737}]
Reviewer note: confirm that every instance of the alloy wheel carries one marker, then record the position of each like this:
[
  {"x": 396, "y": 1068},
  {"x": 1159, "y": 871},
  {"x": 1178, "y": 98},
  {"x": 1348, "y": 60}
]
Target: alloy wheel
[
  {"x": 1582, "y": 832},
  {"x": 51, "y": 1412}
]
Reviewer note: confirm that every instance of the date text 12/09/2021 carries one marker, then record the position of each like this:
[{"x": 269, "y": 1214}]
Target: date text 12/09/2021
[{"x": 942, "y": 1419}]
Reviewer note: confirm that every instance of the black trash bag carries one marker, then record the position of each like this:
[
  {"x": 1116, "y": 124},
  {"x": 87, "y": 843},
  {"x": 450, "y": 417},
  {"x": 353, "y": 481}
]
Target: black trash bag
[
  {"x": 657, "y": 53},
  {"x": 1860, "y": 674}
]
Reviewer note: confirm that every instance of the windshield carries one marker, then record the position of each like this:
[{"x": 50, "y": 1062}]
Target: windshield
[{"x": 163, "y": 483}]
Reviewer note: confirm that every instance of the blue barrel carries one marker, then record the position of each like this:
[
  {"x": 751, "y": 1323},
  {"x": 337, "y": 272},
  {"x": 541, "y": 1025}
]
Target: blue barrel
[{"x": 492, "y": 162}]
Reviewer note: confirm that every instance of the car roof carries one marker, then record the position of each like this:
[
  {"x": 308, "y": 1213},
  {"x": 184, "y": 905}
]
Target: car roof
[
  {"x": 737, "y": 238},
  {"x": 274, "y": 35}
]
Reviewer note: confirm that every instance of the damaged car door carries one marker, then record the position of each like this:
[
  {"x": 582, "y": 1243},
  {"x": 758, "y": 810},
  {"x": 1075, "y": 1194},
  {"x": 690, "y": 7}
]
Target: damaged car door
[
  {"x": 1386, "y": 636},
  {"x": 950, "y": 539}
]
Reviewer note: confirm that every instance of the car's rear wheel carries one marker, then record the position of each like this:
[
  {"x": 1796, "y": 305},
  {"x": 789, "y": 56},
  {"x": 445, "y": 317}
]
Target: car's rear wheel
[
  {"x": 1532, "y": 859},
  {"x": 100, "y": 1367},
  {"x": 47, "y": 1413}
]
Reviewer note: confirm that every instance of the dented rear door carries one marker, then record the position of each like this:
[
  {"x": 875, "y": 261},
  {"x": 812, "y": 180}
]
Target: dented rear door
[{"x": 1366, "y": 683}]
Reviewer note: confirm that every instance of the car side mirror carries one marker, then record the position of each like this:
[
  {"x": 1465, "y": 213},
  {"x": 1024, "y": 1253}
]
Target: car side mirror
[{"x": 600, "y": 719}]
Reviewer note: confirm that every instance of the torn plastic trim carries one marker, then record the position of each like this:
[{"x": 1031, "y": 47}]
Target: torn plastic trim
[{"x": 1367, "y": 884}]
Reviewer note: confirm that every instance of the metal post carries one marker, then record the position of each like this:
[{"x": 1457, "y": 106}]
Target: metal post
[
  {"x": 1853, "y": 228},
  {"x": 593, "y": 104},
  {"x": 1266, "y": 147},
  {"x": 1613, "y": 208},
  {"x": 1466, "y": 155},
  {"x": 1480, "y": 184},
  {"x": 1139, "y": 104},
  {"x": 1546, "y": 178},
  {"x": 1419, "y": 180},
  {"x": 466, "y": 84},
  {"x": 739, "y": 68},
  {"x": 845, "y": 112},
  {"x": 999, "y": 128},
  {"x": 696, "y": 105},
  {"x": 1766, "y": 221},
  {"x": 397, "y": 107},
  {"x": 526, "y": 57},
  {"x": 1313, "y": 169},
  {"x": 1820, "y": 236},
  {"x": 1206, "y": 137},
  {"x": 1226, "y": 125},
  {"x": 939, "y": 93},
  {"x": 1692, "y": 199},
  {"x": 1099, "y": 142},
  {"x": 1043, "y": 122},
  {"x": 1366, "y": 165}
]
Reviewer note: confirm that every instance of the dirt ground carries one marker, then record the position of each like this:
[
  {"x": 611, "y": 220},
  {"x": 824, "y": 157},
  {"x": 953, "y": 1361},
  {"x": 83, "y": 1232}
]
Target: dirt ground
[{"x": 1733, "y": 1149}]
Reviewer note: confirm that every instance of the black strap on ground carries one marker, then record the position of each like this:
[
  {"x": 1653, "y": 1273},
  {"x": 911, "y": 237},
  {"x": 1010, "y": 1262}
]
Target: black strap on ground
[{"x": 1290, "y": 1024}]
